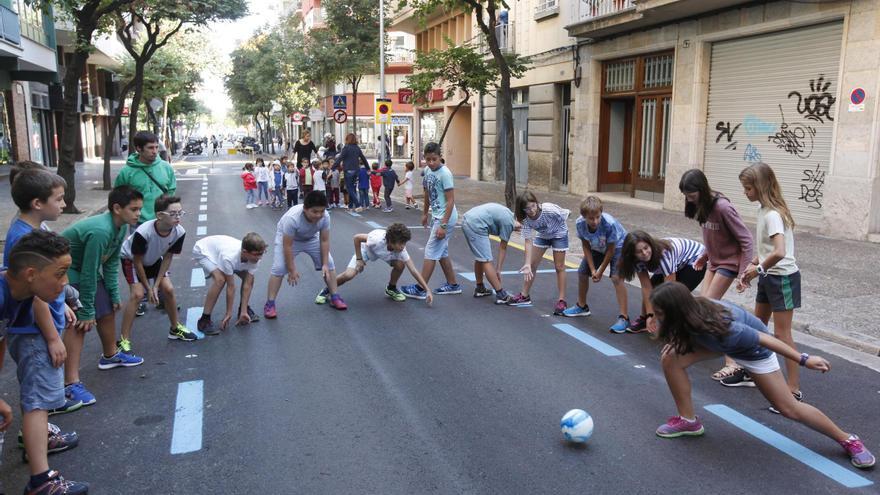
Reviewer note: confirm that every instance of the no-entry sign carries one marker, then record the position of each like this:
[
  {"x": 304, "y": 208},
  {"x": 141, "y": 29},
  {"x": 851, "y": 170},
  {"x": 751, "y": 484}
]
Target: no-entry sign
[{"x": 339, "y": 116}]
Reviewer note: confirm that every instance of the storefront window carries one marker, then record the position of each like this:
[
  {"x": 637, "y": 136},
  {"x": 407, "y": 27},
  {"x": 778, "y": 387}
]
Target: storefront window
[
  {"x": 431, "y": 127},
  {"x": 36, "y": 136},
  {"x": 5, "y": 143}
]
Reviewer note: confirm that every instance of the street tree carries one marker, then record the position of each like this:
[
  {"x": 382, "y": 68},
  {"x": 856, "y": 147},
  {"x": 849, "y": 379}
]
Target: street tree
[
  {"x": 485, "y": 13},
  {"x": 346, "y": 49},
  {"x": 461, "y": 70}
]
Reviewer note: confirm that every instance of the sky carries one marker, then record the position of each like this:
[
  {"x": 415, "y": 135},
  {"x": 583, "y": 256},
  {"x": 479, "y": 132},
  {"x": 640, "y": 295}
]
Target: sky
[{"x": 226, "y": 37}]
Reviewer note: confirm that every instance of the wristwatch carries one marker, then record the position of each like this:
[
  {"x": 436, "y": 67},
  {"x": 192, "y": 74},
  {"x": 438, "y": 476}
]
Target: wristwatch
[{"x": 444, "y": 226}]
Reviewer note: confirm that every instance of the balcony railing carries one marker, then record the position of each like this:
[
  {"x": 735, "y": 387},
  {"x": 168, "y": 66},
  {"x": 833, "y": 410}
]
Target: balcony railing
[
  {"x": 546, "y": 8},
  {"x": 591, "y": 9},
  {"x": 401, "y": 56},
  {"x": 10, "y": 29},
  {"x": 505, "y": 34}
]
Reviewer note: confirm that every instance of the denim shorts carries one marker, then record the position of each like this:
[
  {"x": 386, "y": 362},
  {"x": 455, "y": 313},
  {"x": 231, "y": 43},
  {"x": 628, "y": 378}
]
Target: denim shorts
[
  {"x": 311, "y": 247},
  {"x": 724, "y": 271},
  {"x": 437, "y": 249},
  {"x": 41, "y": 384},
  {"x": 479, "y": 244},
  {"x": 598, "y": 257},
  {"x": 558, "y": 244}
]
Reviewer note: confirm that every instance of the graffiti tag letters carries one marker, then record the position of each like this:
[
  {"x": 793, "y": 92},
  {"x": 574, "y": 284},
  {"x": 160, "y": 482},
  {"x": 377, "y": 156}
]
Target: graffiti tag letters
[
  {"x": 811, "y": 187},
  {"x": 816, "y": 106},
  {"x": 725, "y": 131},
  {"x": 795, "y": 138},
  {"x": 752, "y": 155}
]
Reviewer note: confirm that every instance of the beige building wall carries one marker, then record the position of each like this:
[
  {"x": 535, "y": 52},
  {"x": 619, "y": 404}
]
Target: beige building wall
[{"x": 852, "y": 188}]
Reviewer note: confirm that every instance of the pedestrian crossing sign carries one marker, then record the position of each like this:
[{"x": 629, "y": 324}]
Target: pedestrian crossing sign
[
  {"x": 383, "y": 110},
  {"x": 340, "y": 102}
]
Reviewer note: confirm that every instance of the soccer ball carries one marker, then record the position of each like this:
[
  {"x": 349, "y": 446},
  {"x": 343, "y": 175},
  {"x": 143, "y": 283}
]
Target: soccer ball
[{"x": 577, "y": 426}]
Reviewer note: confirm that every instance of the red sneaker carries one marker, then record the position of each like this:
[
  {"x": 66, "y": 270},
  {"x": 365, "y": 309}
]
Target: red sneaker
[{"x": 337, "y": 302}]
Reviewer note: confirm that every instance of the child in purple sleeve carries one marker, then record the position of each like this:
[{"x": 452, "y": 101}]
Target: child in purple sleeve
[{"x": 727, "y": 239}]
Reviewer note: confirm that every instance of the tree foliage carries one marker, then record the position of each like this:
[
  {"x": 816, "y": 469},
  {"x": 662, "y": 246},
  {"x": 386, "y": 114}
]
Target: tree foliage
[{"x": 458, "y": 70}]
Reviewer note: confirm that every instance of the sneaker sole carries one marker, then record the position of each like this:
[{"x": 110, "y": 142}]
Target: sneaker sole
[
  {"x": 72, "y": 409},
  {"x": 519, "y": 305},
  {"x": 618, "y": 332},
  {"x": 270, "y": 317},
  {"x": 118, "y": 365},
  {"x": 862, "y": 466},
  {"x": 447, "y": 293},
  {"x": 412, "y": 296},
  {"x": 682, "y": 433},
  {"x": 585, "y": 313},
  {"x": 483, "y": 294},
  {"x": 644, "y": 330},
  {"x": 395, "y": 299},
  {"x": 178, "y": 337},
  {"x": 738, "y": 384}
]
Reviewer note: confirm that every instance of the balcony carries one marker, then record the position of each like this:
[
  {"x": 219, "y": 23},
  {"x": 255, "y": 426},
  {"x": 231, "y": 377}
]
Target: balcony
[
  {"x": 597, "y": 19},
  {"x": 400, "y": 56},
  {"x": 546, "y": 9},
  {"x": 10, "y": 28},
  {"x": 506, "y": 35}
]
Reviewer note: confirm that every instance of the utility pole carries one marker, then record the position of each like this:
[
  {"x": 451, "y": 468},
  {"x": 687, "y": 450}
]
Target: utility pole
[{"x": 382, "y": 78}]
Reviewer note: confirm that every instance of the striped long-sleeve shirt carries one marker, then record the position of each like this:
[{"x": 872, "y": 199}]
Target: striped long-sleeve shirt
[
  {"x": 681, "y": 253},
  {"x": 550, "y": 224}
]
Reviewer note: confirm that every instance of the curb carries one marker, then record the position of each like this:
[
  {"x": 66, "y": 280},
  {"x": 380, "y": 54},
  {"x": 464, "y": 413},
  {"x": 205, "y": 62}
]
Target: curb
[{"x": 837, "y": 338}]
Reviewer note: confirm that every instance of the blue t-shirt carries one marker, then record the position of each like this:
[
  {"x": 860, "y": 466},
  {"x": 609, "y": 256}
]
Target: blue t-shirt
[
  {"x": 17, "y": 230},
  {"x": 13, "y": 313},
  {"x": 491, "y": 219},
  {"x": 609, "y": 231},
  {"x": 742, "y": 340},
  {"x": 363, "y": 178},
  {"x": 437, "y": 182}
]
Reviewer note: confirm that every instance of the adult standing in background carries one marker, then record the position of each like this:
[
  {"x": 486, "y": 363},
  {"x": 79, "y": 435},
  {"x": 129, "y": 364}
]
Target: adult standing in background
[
  {"x": 304, "y": 147},
  {"x": 147, "y": 173},
  {"x": 351, "y": 158}
]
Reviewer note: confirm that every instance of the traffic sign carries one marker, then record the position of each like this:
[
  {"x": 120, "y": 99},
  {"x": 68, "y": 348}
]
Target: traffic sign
[
  {"x": 404, "y": 95},
  {"x": 383, "y": 110},
  {"x": 297, "y": 117},
  {"x": 339, "y": 116},
  {"x": 316, "y": 115},
  {"x": 857, "y": 100},
  {"x": 340, "y": 101}
]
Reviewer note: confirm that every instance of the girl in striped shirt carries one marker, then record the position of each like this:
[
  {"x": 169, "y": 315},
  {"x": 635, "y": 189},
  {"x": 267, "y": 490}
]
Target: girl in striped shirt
[
  {"x": 656, "y": 261},
  {"x": 543, "y": 227}
]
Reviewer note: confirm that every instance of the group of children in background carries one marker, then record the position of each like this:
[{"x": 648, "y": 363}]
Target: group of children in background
[
  {"x": 669, "y": 269},
  {"x": 281, "y": 182}
]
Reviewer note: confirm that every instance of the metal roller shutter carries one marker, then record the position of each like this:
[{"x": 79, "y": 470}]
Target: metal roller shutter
[{"x": 774, "y": 98}]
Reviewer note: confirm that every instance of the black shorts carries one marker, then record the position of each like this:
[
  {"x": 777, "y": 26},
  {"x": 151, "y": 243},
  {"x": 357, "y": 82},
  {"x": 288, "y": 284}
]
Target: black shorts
[
  {"x": 781, "y": 292},
  {"x": 130, "y": 273},
  {"x": 688, "y": 276}
]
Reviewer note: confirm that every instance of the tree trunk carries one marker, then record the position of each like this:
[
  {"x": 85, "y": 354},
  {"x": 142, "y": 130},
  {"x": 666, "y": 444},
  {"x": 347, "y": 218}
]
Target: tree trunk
[
  {"x": 507, "y": 160},
  {"x": 355, "y": 82},
  {"x": 452, "y": 116},
  {"x": 70, "y": 121},
  {"x": 114, "y": 122},
  {"x": 135, "y": 103},
  {"x": 151, "y": 115}
]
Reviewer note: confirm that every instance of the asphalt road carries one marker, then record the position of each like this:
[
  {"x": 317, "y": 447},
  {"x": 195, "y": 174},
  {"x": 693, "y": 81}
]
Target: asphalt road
[{"x": 460, "y": 397}]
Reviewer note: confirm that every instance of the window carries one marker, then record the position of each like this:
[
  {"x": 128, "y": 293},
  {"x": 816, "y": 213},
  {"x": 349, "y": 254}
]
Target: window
[
  {"x": 620, "y": 76},
  {"x": 31, "y": 19}
]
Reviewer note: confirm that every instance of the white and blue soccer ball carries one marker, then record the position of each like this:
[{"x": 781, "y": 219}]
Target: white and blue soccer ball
[{"x": 577, "y": 426}]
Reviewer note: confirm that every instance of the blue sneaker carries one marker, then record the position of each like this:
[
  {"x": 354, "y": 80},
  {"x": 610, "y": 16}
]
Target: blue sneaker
[
  {"x": 620, "y": 325},
  {"x": 414, "y": 291},
  {"x": 447, "y": 289},
  {"x": 577, "y": 310},
  {"x": 77, "y": 392},
  {"x": 119, "y": 359}
]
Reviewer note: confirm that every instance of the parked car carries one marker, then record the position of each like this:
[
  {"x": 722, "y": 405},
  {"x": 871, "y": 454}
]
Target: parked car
[
  {"x": 249, "y": 142},
  {"x": 193, "y": 147}
]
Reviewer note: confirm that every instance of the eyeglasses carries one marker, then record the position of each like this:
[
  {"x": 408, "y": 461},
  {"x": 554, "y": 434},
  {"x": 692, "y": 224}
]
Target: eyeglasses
[
  {"x": 173, "y": 214},
  {"x": 531, "y": 207}
]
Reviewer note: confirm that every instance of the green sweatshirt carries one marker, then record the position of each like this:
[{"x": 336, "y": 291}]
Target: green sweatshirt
[
  {"x": 94, "y": 248},
  {"x": 134, "y": 174}
]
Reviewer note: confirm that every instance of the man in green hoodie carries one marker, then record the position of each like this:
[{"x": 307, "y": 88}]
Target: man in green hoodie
[{"x": 147, "y": 173}]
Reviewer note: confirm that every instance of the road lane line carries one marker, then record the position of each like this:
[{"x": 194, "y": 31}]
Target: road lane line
[
  {"x": 201, "y": 230},
  {"x": 375, "y": 225},
  {"x": 473, "y": 278},
  {"x": 204, "y": 199},
  {"x": 547, "y": 256},
  {"x": 354, "y": 213},
  {"x": 818, "y": 462},
  {"x": 203, "y": 217},
  {"x": 192, "y": 321},
  {"x": 187, "y": 434},
  {"x": 203, "y": 207},
  {"x": 197, "y": 278},
  {"x": 591, "y": 341}
]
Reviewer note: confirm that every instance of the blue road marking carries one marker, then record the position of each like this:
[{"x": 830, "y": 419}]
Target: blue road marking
[
  {"x": 201, "y": 230},
  {"x": 203, "y": 217},
  {"x": 187, "y": 434},
  {"x": 353, "y": 213},
  {"x": 820, "y": 463},
  {"x": 473, "y": 278},
  {"x": 197, "y": 278},
  {"x": 192, "y": 321},
  {"x": 589, "y": 340},
  {"x": 375, "y": 225}
]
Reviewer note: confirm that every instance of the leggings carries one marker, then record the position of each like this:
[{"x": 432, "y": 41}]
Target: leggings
[
  {"x": 263, "y": 190},
  {"x": 249, "y": 196},
  {"x": 688, "y": 276},
  {"x": 292, "y": 197},
  {"x": 376, "y": 200},
  {"x": 388, "y": 190}
]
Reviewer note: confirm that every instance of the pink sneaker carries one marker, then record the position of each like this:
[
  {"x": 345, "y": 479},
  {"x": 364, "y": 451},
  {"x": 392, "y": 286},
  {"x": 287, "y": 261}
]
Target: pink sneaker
[
  {"x": 269, "y": 310},
  {"x": 859, "y": 456},
  {"x": 337, "y": 303},
  {"x": 678, "y": 426}
]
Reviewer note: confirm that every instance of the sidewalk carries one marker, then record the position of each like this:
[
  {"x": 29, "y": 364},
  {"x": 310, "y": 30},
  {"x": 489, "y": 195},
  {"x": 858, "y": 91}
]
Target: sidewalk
[{"x": 838, "y": 290}]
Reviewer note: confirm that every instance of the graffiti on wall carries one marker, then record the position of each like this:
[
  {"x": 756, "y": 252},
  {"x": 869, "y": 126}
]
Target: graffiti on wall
[{"x": 796, "y": 138}]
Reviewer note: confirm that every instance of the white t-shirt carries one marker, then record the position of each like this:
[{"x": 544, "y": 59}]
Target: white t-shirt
[
  {"x": 376, "y": 249},
  {"x": 320, "y": 184},
  {"x": 262, "y": 174},
  {"x": 147, "y": 241},
  {"x": 294, "y": 224},
  {"x": 769, "y": 224},
  {"x": 409, "y": 180},
  {"x": 292, "y": 179},
  {"x": 225, "y": 252}
]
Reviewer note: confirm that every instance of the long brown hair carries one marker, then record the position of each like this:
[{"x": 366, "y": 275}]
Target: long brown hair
[
  {"x": 685, "y": 315},
  {"x": 351, "y": 138},
  {"x": 694, "y": 180},
  {"x": 762, "y": 178},
  {"x": 628, "y": 259},
  {"x": 522, "y": 200}
]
